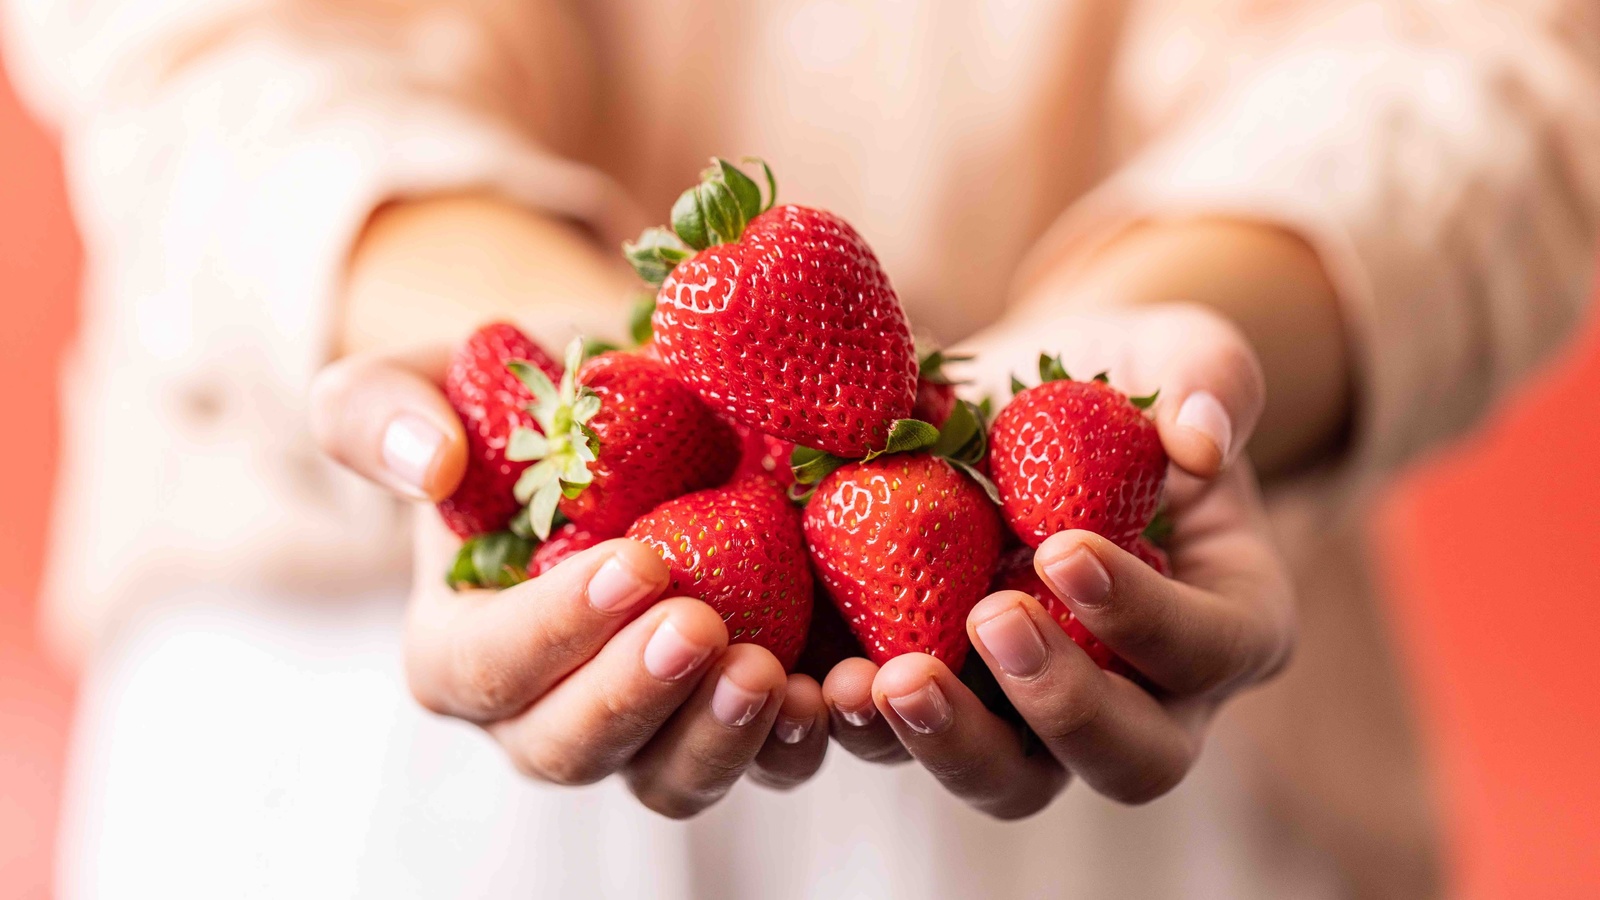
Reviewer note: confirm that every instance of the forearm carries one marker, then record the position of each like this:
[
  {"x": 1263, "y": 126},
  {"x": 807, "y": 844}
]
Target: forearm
[
  {"x": 428, "y": 271},
  {"x": 1264, "y": 280}
]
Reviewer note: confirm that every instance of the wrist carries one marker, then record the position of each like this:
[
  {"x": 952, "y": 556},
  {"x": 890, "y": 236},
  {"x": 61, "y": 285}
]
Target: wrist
[{"x": 431, "y": 269}]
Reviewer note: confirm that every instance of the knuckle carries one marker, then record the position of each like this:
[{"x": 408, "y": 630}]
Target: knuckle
[
  {"x": 675, "y": 805},
  {"x": 622, "y": 718},
  {"x": 425, "y": 696},
  {"x": 1075, "y": 706},
  {"x": 487, "y": 686},
  {"x": 1018, "y": 806},
  {"x": 1146, "y": 783},
  {"x": 553, "y": 762}
]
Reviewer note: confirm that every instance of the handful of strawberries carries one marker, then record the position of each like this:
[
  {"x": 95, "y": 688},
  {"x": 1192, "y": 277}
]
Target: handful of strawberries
[{"x": 776, "y": 436}]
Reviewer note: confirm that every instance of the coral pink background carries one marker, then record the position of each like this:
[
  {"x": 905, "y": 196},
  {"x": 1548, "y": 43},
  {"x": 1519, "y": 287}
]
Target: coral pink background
[{"x": 1491, "y": 552}]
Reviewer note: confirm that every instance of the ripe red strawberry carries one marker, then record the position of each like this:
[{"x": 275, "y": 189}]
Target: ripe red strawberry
[
  {"x": 1152, "y": 556},
  {"x": 935, "y": 400},
  {"x": 1017, "y": 574},
  {"x": 783, "y": 321},
  {"x": 492, "y": 403},
  {"x": 739, "y": 549},
  {"x": 623, "y": 436},
  {"x": 905, "y": 546},
  {"x": 936, "y": 393},
  {"x": 764, "y": 455},
  {"x": 568, "y": 540},
  {"x": 1076, "y": 454}
]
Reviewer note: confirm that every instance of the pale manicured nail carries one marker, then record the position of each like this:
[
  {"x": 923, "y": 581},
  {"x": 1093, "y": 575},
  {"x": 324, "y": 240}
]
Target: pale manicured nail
[
  {"x": 616, "y": 587},
  {"x": 1204, "y": 413},
  {"x": 1014, "y": 643},
  {"x": 734, "y": 705},
  {"x": 410, "y": 444},
  {"x": 858, "y": 717},
  {"x": 1079, "y": 577},
  {"x": 670, "y": 656},
  {"x": 791, "y": 731},
  {"x": 926, "y": 711}
]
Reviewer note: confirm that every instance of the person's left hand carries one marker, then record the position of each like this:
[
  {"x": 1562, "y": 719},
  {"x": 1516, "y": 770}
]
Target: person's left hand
[{"x": 1223, "y": 623}]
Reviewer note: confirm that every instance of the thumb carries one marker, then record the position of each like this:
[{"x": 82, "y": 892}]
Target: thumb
[
  {"x": 385, "y": 418},
  {"x": 1212, "y": 393}
]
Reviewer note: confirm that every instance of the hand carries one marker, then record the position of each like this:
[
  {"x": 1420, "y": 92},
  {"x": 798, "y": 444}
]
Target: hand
[
  {"x": 583, "y": 671},
  {"x": 1223, "y": 623}
]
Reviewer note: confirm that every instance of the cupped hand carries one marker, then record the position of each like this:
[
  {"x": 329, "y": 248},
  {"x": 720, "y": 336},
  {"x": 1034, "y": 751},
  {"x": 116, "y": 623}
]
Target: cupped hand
[
  {"x": 1223, "y": 622},
  {"x": 584, "y": 671}
]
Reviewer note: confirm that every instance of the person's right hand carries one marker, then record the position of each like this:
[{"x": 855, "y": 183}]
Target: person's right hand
[{"x": 583, "y": 671}]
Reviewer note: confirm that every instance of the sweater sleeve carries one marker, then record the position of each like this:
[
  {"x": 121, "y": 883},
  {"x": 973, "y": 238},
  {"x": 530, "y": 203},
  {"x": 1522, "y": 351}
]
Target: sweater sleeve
[
  {"x": 1447, "y": 171},
  {"x": 222, "y": 156}
]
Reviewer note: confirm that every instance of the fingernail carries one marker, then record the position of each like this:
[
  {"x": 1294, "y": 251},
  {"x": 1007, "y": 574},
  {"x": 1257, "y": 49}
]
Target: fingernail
[
  {"x": 733, "y": 705},
  {"x": 616, "y": 586},
  {"x": 857, "y": 717},
  {"x": 792, "y": 731},
  {"x": 1014, "y": 643},
  {"x": 669, "y": 656},
  {"x": 1203, "y": 412},
  {"x": 410, "y": 444},
  {"x": 1079, "y": 577},
  {"x": 926, "y": 710}
]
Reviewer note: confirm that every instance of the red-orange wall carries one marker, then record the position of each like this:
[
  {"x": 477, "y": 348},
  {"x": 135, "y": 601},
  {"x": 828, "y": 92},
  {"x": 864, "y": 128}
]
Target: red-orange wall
[
  {"x": 1493, "y": 551},
  {"x": 38, "y": 282}
]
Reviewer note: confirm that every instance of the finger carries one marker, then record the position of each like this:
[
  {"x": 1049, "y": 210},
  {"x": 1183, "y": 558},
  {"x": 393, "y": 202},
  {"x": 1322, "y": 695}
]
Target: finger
[
  {"x": 707, "y": 745},
  {"x": 483, "y": 655},
  {"x": 970, "y": 750},
  {"x": 1212, "y": 393},
  {"x": 1100, "y": 726},
  {"x": 853, "y": 716},
  {"x": 386, "y": 419},
  {"x": 1235, "y": 628},
  {"x": 592, "y": 723},
  {"x": 794, "y": 751}
]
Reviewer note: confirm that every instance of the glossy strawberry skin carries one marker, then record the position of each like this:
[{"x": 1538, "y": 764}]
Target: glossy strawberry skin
[
  {"x": 905, "y": 546},
  {"x": 764, "y": 455},
  {"x": 566, "y": 541},
  {"x": 492, "y": 403},
  {"x": 657, "y": 441},
  {"x": 1076, "y": 454},
  {"x": 793, "y": 330},
  {"x": 934, "y": 402},
  {"x": 1016, "y": 573},
  {"x": 738, "y": 548}
]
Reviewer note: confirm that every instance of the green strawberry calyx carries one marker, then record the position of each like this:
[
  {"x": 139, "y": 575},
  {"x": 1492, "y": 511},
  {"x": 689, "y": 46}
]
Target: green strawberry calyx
[
  {"x": 715, "y": 211},
  {"x": 1052, "y": 369},
  {"x": 495, "y": 561},
  {"x": 963, "y": 442},
  {"x": 562, "y": 454},
  {"x": 930, "y": 366}
]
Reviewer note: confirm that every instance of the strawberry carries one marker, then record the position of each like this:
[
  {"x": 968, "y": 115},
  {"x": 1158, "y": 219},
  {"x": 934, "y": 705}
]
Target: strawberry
[
  {"x": 783, "y": 320},
  {"x": 934, "y": 401},
  {"x": 936, "y": 393},
  {"x": 739, "y": 549},
  {"x": 1016, "y": 573},
  {"x": 568, "y": 540},
  {"x": 618, "y": 438},
  {"x": 1152, "y": 555},
  {"x": 492, "y": 403},
  {"x": 1076, "y": 454},
  {"x": 763, "y": 454},
  {"x": 905, "y": 546}
]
